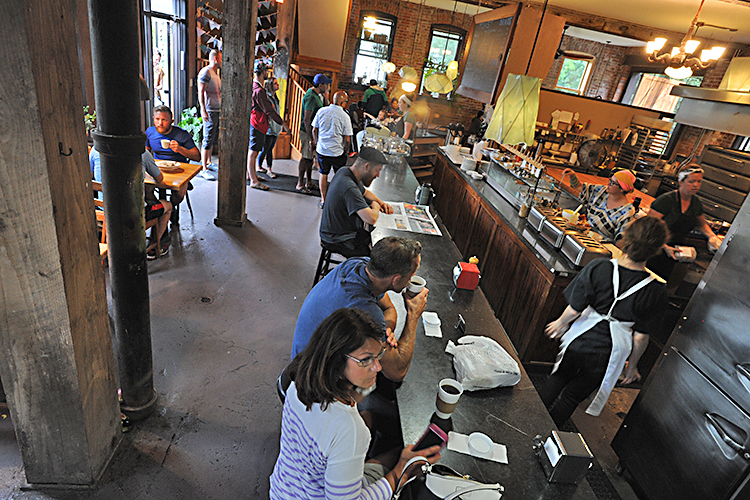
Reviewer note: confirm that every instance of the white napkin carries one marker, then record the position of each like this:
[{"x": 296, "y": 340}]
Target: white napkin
[
  {"x": 460, "y": 443},
  {"x": 431, "y": 330}
]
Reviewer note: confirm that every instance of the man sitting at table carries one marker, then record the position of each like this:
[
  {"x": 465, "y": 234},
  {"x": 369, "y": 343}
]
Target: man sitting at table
[
  {"x": 160, "y": 209},
  {"x": 181, "y": 146},
  {"x": 362, "y": 283},
  {"x": 350, "y": 209}
]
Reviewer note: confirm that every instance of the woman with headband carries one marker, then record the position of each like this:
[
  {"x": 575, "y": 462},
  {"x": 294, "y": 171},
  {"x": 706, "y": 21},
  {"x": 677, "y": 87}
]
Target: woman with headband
[
  {"x": 682, "y": 211},
  {"x": 608, "y": 209},
  {"x": 406, "y": 124}
]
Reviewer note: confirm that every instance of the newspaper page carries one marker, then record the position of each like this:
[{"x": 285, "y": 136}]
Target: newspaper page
[{"x": 408, "y": 217}]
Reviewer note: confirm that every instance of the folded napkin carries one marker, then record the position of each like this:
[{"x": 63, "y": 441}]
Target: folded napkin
[
  {"x": 431, "y": 330},
  {"x": 460, "y": 443}
]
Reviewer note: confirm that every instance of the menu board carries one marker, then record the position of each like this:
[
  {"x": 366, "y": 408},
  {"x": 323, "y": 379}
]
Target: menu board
[{"x": 487, "y": 53}]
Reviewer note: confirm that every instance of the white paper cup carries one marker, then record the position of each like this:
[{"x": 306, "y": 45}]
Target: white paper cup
[
  {"x": 449, "y": 392},
  {"x": 416, "y": 284},
  {"x": 165, "y": 143}
]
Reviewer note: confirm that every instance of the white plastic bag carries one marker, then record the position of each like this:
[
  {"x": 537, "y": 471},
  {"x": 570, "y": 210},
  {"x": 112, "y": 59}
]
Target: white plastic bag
[{"x": 481, "y": 363}]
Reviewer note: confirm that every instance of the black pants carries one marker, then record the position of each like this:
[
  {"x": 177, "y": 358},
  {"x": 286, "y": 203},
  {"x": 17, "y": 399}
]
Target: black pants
[
  {"x": 267, "y": 152},
  {"x": 578, "y": 375},
  {"x": 360, "y": 246}
]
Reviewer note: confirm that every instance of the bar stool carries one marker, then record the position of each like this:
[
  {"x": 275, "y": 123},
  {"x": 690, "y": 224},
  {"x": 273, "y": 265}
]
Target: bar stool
[{"x": 325, "y": 261}]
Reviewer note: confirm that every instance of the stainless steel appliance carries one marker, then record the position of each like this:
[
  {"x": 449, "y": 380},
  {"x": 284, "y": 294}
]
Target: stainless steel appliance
[
  {"x": 581, "y": 249},
  {"x": 687, "y": 435}
]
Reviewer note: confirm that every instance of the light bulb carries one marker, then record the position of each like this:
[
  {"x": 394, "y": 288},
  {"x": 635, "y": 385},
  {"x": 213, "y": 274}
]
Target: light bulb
[
  {"x": 651, "y": 47},
  {"x": 370, "y": 23},
  {"x": 706, "y": 55},
  {"x": 659, "y": 43},
  {"x": 691, "y": 45},
  {"x": 388, "y": 67},
  {"x": 678, "y": 73},
  {"x": 409, "y": 86},
  {"x": 717, "y": 52},
  {"x": 675, "y": 51}
]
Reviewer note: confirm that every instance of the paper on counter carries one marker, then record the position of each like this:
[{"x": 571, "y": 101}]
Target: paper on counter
[
  {"x": 460, "y": 443},
  {"x": 431, "y": 330}
]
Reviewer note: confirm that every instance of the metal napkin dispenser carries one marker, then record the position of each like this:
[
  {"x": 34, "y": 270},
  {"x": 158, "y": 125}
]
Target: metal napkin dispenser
[
  {"x": 537, "y": 215},
  {"x": 565, "y": 457},
  {"x": 553, "y": 230},
  {"x": 581, "y": 249}
]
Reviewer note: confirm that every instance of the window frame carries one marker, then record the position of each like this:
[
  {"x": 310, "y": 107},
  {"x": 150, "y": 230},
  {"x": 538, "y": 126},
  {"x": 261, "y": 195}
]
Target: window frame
[
  {"x": 590, "y": 61},
  {"x": 450, "y": 29},
  {"x": 378, "y": 15}
]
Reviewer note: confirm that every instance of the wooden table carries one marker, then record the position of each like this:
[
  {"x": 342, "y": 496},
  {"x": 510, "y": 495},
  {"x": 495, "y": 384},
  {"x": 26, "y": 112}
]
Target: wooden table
[
  {"x": 511, "y": 415},
  {"x": 174, "y": 180}
]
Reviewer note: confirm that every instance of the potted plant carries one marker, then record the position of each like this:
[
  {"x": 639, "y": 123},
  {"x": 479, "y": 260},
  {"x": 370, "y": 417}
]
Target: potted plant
[
  {"x": 90, "y": 120},
  {"x": 192, "y": 122}
]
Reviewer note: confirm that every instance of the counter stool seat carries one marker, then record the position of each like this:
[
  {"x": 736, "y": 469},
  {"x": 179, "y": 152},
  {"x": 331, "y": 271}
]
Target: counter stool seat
[{"x": 325, "y": 261}]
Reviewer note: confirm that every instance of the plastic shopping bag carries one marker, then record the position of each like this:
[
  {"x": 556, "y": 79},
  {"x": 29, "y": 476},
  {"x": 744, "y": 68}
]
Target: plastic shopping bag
[{"x": 481, "y": 363}]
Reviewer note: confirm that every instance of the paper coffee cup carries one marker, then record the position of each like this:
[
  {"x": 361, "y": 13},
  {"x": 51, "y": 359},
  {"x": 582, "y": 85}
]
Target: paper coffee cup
[
  {"x": 449, "y": 392},
  {"x": 165, "y": 143},
  {"x": 416, "y": 284}
]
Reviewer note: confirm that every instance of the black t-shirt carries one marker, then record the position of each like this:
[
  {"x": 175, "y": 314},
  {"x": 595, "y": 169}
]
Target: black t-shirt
[
  {"x": 593, "y": 287},
  {"x": 679, "y": 223}
]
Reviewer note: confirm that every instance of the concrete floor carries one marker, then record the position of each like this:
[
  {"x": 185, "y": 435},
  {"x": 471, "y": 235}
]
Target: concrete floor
[{"x": 224, "y": 303}]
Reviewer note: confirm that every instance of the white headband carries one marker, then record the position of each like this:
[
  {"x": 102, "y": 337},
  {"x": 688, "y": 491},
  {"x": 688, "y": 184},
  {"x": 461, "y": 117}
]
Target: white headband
[
  {"x": 693, "y": 170},
  {"x": 405, "y": 99}
]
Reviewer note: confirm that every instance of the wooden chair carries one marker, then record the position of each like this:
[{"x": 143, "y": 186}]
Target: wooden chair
[{"x": 101, "y": 218}]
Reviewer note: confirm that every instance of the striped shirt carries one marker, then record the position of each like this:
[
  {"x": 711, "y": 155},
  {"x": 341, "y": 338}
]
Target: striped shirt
[
  {"x": 322, "y": 454},
  {"x": 609, "y": 222}
]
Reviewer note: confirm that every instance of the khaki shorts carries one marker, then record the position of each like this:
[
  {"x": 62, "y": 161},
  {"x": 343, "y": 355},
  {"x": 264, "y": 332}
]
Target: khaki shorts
[{"x": 307, "y": 152}]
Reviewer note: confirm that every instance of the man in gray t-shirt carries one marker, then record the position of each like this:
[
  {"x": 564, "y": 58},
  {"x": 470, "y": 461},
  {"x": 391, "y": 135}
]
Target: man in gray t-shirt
[
  {"x": 351, "y": 209},
  {"x": 209, "y": 97}
]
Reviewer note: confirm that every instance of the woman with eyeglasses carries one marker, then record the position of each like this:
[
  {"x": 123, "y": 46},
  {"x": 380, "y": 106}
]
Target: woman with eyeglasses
[
  {"x": 682, "y": 211},
  {"x": 608, "y": 208},
  {"x": 323, "y": 437}
]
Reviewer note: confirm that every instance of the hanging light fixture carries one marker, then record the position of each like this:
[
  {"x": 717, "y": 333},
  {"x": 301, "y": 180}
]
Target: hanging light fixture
[
  {"x": 452, "y": 71},
  {"x": 680, "y": 61},
  {"x": 407, "y": 73},
  {"x": 443, "y": 83},
  {"x": 388, "y": 67}
]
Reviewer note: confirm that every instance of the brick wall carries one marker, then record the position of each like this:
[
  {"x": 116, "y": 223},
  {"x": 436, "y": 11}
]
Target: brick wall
[
  {"x": 411, "y": 51},
  {"x": 606, "y": 75}
]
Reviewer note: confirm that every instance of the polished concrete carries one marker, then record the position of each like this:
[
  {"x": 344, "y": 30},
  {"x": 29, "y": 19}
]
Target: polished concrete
[{"x": 224, "y": 303}]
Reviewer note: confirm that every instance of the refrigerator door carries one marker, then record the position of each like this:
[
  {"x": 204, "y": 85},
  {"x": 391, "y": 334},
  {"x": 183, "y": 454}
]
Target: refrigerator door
[
  {"x": 683, "y": 439},
  {"x": 713, "y": 333}
]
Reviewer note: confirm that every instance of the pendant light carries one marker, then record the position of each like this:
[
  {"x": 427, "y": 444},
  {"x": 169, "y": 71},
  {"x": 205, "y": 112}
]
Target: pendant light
[
  {"x": 388, "y": 67},
  {"x": 443, "y": 83},
  {"x": 408, "y": 74}
]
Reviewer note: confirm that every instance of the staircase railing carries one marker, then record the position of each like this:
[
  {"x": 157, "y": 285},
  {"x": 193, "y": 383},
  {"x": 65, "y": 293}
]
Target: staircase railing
[{"x": 297, "y": 87}]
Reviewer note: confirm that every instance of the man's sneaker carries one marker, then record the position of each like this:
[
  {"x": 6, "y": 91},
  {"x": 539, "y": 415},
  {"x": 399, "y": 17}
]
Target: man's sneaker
[
  {"x": 151, "y": 254},
  {"x": 213, "y": 167},
  {"x": 207, "y": 175}
]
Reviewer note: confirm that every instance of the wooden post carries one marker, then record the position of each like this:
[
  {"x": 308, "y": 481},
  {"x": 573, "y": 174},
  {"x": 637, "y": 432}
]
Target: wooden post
[
  {"x": 286, "y": 14},
  {"x": 238, "y": 31},
  {"x": 56, "y": 358}
]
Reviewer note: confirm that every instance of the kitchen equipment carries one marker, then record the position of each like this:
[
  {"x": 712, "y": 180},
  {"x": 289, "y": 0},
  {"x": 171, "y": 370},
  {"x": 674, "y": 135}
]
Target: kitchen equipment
[
  {"x": 565, "y": 457},
  {"x": 424, "y": 194},
  {"x": 582, "y": 249},
  {"x": 466, "y": 276},
  {"x": 537, "y": 216},
  {"x": 553, "y": 230},
  {"x": 455, "y": 130},
  {"x": 468, "y": 164}
]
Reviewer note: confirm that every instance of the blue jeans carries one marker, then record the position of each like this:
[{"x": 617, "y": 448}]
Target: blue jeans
[{"x": 267, "y": 151}]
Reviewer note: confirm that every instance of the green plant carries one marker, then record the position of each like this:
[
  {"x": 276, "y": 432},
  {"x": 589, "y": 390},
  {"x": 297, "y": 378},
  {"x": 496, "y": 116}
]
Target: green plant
[
  {"x": 89, "y": 119},
  {"x": 192, "y": 122}
]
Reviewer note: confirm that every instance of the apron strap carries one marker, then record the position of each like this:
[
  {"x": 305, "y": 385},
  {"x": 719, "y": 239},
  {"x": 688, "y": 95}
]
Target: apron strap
[{"x": 629, "y": 292}]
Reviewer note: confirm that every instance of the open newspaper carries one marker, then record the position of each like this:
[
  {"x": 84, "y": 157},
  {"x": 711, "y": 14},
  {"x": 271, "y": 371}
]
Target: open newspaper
[{"x": 408, "y": 217}]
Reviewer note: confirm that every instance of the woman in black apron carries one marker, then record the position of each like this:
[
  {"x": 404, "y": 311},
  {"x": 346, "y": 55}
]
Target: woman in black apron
[{"x": 682, "y": 211}]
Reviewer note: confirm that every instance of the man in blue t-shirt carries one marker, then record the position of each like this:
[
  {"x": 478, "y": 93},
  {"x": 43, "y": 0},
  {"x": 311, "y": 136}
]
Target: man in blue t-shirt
[{"x": 181, "y": 146}]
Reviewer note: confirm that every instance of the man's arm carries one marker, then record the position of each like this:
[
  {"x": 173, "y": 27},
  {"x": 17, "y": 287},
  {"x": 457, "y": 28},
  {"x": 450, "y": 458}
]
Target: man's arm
[
  {"x": 191, "y": 154},
  {"x": 202, "y": 100},
  {"x": 396, "y": 361},
  {"x": 370, "y": 214},
  {"x": 383, "y": 206},
  {"x": 316, "y": 131}
]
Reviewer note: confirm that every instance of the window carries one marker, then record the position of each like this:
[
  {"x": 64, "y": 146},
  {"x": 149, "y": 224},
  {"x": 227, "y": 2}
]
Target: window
[
  {"x": 651, "y": 90},
  {"x": 574, "y": 74},
  {"x": 445, "y": 46},
  {"x": 376, "y": 31}
]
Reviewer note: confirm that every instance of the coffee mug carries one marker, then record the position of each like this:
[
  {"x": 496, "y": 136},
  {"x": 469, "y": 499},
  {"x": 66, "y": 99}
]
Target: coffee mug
[
  {"x": 416, "y": 284},
  {"x": 449, "y": 391},
  {"x": 165, "y": 143}
]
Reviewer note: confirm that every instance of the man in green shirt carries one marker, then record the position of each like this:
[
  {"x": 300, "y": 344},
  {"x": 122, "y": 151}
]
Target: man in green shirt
[
  {"x": 311, "y": 103},
  {"x": 374, "y": 99}
]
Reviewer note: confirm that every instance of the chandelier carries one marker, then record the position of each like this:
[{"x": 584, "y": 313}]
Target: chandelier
[{"x": 681, "y": 63}]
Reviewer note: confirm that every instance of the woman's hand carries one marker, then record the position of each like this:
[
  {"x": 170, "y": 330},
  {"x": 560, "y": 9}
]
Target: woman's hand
[
  {"x": 556, "y": 329},
  {"x": 670, "y": 251},
  {"x": 432, "y": 455},
  {"x": 631, "y": 373}
]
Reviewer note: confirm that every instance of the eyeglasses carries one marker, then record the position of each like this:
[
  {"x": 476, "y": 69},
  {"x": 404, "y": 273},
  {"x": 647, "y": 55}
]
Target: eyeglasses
[{"x": 369, "y": 360}]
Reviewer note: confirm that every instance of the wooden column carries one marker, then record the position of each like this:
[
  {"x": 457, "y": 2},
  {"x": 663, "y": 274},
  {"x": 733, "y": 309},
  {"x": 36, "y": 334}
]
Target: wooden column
[
  {"x": 238, "y": 30},
  {"x": 56, "y": 358}
]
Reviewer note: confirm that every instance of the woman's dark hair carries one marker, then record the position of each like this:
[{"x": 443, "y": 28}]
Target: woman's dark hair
[
  {"x": 269, "y": 85},
  {"x": 393, "y": 255},
  {"x": 644, "y": 237},
  {"x": 318, "y": 371}
]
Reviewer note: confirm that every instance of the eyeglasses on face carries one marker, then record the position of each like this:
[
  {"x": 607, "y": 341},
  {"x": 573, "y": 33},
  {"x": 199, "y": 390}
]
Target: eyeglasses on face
[{"x": 369, "y": 360}]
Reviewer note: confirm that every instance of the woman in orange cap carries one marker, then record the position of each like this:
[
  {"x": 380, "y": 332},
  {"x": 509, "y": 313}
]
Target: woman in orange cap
[{"x": 608, "y": 209}]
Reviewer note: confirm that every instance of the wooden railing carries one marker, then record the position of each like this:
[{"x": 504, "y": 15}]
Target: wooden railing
[{"x": 296, "y": 88}]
